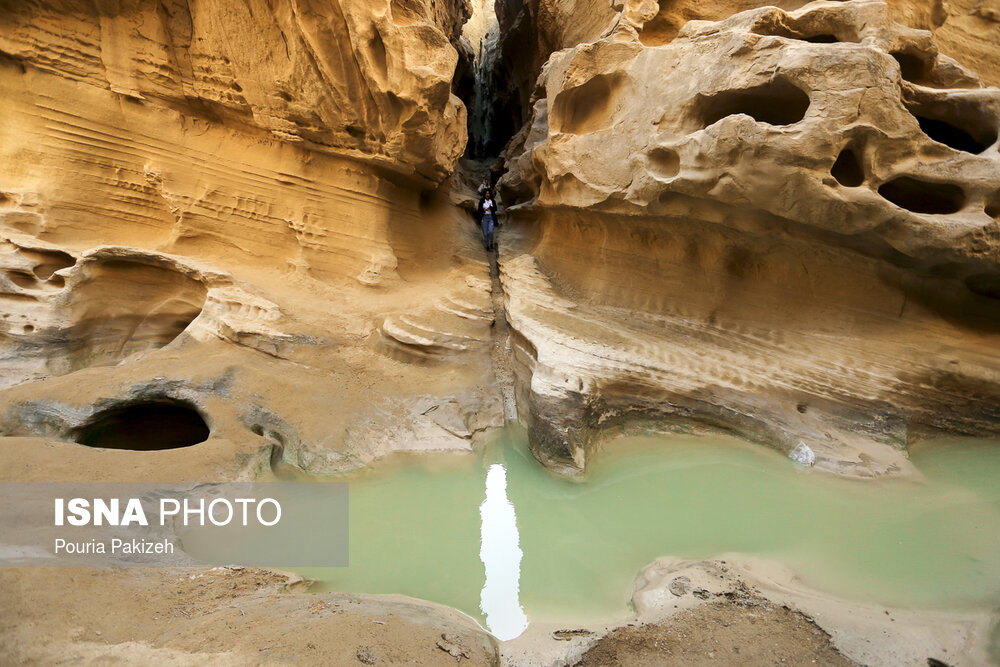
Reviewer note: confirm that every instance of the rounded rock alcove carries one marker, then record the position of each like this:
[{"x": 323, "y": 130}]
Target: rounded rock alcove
[{"x": 144, "y": 426}]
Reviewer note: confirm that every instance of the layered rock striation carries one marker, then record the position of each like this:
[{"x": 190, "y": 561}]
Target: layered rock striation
[
  {"x": 367, "y": 80},
  {"x": 783, "y": 224}
]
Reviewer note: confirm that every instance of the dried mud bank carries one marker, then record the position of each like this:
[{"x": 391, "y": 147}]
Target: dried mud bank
[{"x": 796, "y": 244}]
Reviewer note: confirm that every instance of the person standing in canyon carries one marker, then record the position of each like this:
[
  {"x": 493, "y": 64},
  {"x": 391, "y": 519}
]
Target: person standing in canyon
[{"x": 487, "y": 217}]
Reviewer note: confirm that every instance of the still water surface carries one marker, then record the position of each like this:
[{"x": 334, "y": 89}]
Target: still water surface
[{"x": 497, "y": 536}]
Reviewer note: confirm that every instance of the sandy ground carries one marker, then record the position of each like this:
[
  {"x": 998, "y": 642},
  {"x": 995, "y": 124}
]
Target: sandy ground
[
  {"x": 255, "y": 616},
  {"x": 219, "y": 617},
  {"x": 250, "y": 616},
  {"x": 720, "y": 633}
]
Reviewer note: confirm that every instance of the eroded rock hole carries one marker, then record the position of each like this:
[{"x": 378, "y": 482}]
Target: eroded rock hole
[
  {"x": 912, "y": 68},
  {"x": 993, "y": 206},
  {"x": 774, "y": 103},
  {"x": 821, "y": 39},
  {"x": 379, "y": 57},
  {"x": 923, "y": 196},
  {"x": 962, "y": 123},
  {"x": 664, "y": 162},
  {"x": 587, "y": 107},
  {"x": 775, "y": 29},
  {"x": 847, "y": 169},
  {"x": 48, "y": 262},
  {"x": 954, "y": 136},
  {"x": 22, "y": 279},
  {"x": 145, "y": 427},
  {"x": 984, "y": 284},
  {"x": 987, "y": 285},
  {"x": 123, "y": 307}
]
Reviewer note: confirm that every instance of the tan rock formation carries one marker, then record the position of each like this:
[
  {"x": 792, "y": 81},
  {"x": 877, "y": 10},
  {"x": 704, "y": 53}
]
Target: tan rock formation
[
  {"x": 227, "y": 205},
  {"x": 789, "y": 228},
  {"x": 369, "y": 80},
  {"x": 967, "y": 30}
]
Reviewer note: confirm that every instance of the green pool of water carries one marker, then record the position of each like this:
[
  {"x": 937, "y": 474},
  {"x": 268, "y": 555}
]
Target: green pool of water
[{"x": 416, "y": 525}]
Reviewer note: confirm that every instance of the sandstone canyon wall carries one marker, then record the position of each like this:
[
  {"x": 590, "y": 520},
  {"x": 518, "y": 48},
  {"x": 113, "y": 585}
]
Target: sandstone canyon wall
[
  {"x": 967, "y": 30},
  {"x": 236, "y": 206},
  {"x": 783, "y": 224},
  {"x": 366, "y": 80}
]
